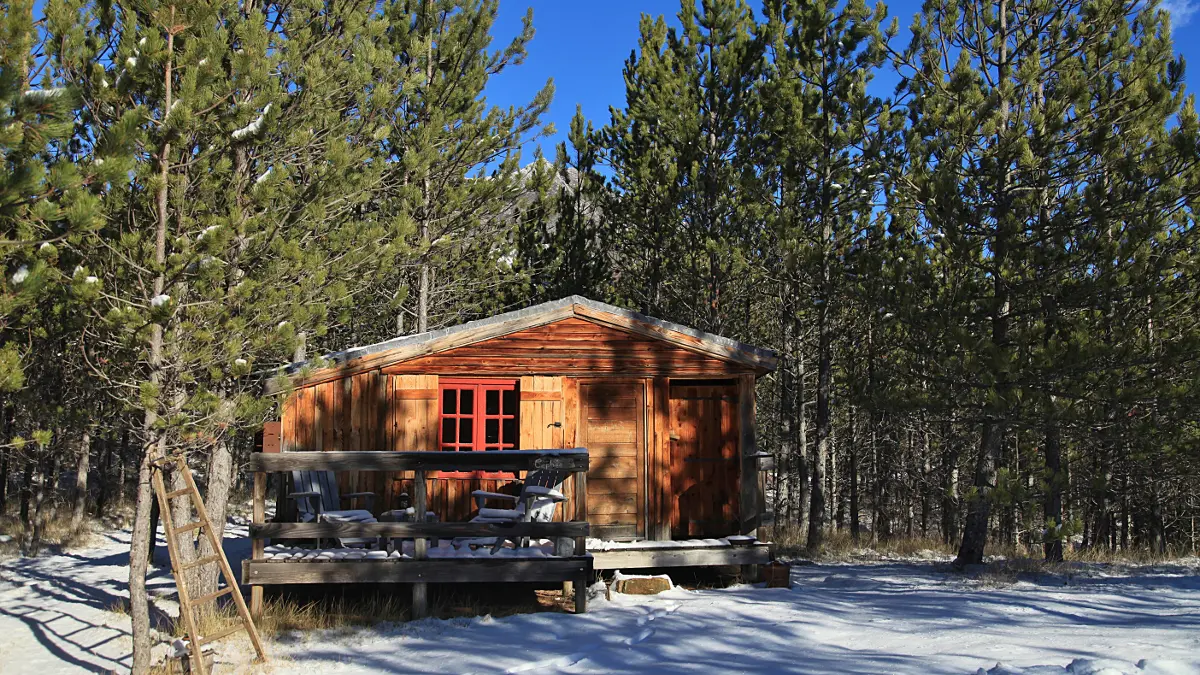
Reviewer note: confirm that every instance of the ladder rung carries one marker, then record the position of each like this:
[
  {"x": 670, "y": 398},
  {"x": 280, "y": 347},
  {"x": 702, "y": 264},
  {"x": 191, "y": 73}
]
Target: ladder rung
[
  {"x": 213, "y": 596},
  {"x": 178, "y": 493},
  {"x": 224, "y": 632},
  {"x": 198, "y": 563},
  {"x": 164, "y": 461},
  {"x": 189, "y": 527}
]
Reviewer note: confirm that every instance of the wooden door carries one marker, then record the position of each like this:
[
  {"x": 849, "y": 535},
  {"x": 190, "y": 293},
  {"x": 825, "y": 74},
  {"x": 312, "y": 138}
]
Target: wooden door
[
  {"x": 703, "y": 460},
  {"x": 612, "y": 420}
]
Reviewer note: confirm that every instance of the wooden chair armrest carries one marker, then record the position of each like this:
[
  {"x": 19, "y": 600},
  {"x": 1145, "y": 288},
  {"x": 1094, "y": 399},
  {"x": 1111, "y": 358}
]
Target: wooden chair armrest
[
  {"x": 481, "y": 497},
  {"x": 368, "y": 496},
  {"x": 545, "y": 492}
]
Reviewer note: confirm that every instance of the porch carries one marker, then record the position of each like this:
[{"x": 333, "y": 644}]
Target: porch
[{"x": 558, "y": 552}]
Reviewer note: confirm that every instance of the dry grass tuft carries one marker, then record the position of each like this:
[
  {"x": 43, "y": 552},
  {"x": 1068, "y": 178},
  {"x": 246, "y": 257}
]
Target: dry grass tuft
[
  {"x": 313, "y": 611},
  {"x": 791, "y": 542},
  {"x": 57, "y": 533}
]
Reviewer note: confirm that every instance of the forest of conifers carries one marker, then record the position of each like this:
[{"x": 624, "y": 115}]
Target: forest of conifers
[{"x": 981, "y": 282}]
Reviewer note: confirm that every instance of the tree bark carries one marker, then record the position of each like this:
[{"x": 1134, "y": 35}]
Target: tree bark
[
  {"x": 950, "y": 485},
  {"x": 220, "y": 478},
  {"x": 1053, "y": 547},
  {"x": 106, "y": 441},
  {"x": 140, "y": 549},
  {"x": 82, "y": 466},
  {"x": 975, "y": 530},
  {"x": 140, "y": 546}
]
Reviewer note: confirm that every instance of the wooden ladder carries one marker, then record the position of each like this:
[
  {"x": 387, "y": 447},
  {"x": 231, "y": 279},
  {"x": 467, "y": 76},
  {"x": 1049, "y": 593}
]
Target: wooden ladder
[{"x": 187, "y": 605}]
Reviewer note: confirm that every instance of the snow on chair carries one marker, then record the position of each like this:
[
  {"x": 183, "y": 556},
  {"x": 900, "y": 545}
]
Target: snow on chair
[
  {"x": 318, "y": 500},
  {"x": 539, "y": 497}
]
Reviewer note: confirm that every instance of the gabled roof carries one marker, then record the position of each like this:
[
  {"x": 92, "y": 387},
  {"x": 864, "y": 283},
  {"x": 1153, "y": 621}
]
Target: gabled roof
[{"x": 408, "y": 347}]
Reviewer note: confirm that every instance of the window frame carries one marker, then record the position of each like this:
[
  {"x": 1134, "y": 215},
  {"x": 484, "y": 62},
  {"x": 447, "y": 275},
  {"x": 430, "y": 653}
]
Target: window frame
[{"x": 479, "y": 417}]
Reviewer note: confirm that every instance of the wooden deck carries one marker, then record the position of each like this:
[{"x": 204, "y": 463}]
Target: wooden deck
[
  {"x": 684, "y": 553},
  {"x": 419, "y": 568}
]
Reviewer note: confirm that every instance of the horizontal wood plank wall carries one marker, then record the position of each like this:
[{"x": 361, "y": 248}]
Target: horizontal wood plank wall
[{"x": 569, "y": 347}]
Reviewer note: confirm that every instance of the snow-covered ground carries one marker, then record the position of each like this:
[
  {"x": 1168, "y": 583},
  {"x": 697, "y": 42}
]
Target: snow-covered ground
[{"x": 885, "y": 617}]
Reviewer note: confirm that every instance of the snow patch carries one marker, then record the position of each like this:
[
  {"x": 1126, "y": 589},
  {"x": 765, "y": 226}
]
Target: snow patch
[
  {"x": 160, "y": 300},
  {"x": 44, "y": 94},
  {"x": 21, "y": 274},
  {"x": 1099, "y": 667},
  {"x": 253, "y": 127}
]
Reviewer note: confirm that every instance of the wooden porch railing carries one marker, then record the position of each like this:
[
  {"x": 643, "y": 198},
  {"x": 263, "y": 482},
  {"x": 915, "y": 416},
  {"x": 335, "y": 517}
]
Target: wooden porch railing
[{"x": 420, "y": 570}]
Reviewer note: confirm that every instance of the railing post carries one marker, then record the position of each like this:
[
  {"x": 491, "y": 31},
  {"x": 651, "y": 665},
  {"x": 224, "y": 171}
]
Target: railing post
[
  {"x": 258, "y": 516},
  {"x": 581, "y": 509},
  {"x": 581, "y": 514},
  {"x": 420, "y": 598}
]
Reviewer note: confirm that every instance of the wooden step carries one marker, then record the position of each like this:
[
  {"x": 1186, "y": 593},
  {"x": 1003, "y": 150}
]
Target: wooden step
[
  {"x": 179, "y": 493},
  {"x": 223, "y": 633},
  {"x": 213, "y": 596},
  {"x": 197, "y": 563}
]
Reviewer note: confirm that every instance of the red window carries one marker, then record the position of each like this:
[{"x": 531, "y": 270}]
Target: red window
[{"x": 478, "y": 414}]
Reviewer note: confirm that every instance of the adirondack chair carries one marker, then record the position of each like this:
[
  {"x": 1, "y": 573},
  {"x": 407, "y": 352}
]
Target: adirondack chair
[
  {"x": 541, "y": 492},
  {"x": 318, "y": 500}
]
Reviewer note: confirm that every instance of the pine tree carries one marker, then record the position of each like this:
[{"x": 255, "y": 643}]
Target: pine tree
[
  {"x": 455, "y": 159},
  {"x": 682, "y": 175},
  {"x": 1025, "y": 209},
  {"x": 821, "y": 147},
  {"x": 562, "y": 240},
  {"x": 236, "y": 233},
  {"x": 44, "y": 203}
]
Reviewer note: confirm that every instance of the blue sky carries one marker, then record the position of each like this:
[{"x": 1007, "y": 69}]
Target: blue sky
[{"x": 583, "y": 45}]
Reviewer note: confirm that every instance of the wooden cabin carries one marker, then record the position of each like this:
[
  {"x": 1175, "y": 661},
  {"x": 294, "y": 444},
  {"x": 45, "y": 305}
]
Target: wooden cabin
[{"x": 666, "y": 413}]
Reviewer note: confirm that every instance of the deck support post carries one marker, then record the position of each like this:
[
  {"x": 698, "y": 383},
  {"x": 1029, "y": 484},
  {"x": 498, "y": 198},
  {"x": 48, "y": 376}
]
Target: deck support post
[
  {"x": 257, "y": 516},
  {"x": 420, "y": 590},
  {"x": 581, "y": 591},
  {"x": 581, "y": 509},
  {"x": 581, "y": 514}
]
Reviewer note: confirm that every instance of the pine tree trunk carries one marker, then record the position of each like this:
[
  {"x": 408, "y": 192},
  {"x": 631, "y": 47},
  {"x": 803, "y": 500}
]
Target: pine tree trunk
[
  {"x": 802, "y": 465},
  {"x": 140, "y": 549},
  {"x": 106, "y": 441},
  {"x": 220, "y": 477},
  {"x": 82, "y": 467},
  {"x": 1053, "y": 547},
  {"x": 852, "y": 474},
  {"x": 787, "y": 404},
  {"x": 950, "y": 485},
  {"x": 5, "y": 437},
  {"x": 975, "y": 530},
  {"x": 122, "y": 465},
  {"x": 140, "y": 546},
  {"x": 48, "y": 481},
  {"x": 26, "y": 493}
]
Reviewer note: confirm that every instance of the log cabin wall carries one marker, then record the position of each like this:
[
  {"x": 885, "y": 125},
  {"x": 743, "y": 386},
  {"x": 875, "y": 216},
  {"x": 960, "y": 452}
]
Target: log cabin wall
[{"x": 397, "y": 407}]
